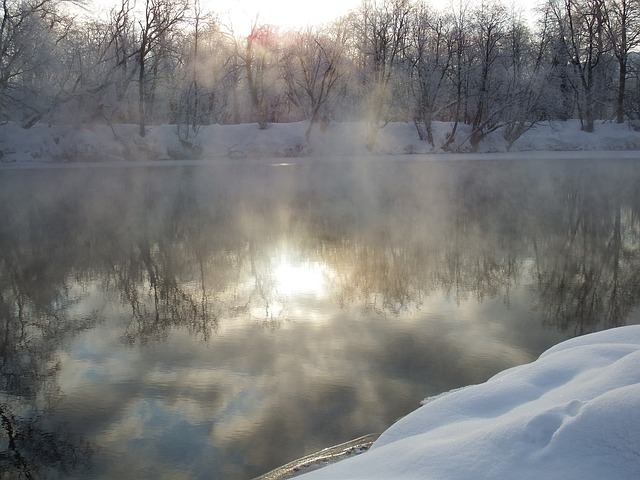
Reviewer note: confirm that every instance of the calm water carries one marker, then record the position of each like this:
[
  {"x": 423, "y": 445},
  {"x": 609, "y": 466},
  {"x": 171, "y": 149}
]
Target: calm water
[{"x": 218, "y": 321}]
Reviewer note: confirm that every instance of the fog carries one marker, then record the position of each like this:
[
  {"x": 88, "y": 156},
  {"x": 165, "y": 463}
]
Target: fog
[
  {"x": 479, "y": 68},
  {"x": 223, "y": 319}
]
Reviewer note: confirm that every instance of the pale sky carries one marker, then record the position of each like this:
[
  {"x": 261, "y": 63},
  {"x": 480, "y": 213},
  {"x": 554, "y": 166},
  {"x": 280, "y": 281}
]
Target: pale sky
[
  {"x": 297, "y": 13},
  {"x": 241, "y": 13},
  {"x": 286, "y": 13}
]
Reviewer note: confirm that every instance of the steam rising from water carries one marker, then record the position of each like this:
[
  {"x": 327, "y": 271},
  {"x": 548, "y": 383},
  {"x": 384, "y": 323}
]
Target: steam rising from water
[{"x": 208, "y": 307}]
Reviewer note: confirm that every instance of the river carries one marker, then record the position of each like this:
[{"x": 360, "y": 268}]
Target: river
[{"x": 218, "y": 320}]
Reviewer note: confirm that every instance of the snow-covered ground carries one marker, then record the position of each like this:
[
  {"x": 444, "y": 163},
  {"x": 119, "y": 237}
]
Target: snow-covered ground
[
  {"x": 571, "y": 414},
  {"x": 77, "y": 143}
]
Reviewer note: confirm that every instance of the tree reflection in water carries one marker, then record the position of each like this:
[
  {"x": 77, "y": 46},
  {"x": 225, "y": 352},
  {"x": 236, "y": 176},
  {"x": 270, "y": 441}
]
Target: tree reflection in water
[
  {"x": 586, "y": 270},
  {"x": 37, "y": 296},
  {"x": 196, "y": 248}
]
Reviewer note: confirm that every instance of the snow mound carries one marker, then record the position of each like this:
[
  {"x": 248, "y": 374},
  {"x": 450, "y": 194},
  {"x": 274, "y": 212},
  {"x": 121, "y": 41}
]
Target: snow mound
[{"x": 571, "y": 414}]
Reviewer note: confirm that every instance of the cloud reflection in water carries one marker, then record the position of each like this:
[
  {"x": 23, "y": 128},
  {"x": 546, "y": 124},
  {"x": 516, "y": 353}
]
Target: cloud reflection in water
[{"x": 217, "y": 322}]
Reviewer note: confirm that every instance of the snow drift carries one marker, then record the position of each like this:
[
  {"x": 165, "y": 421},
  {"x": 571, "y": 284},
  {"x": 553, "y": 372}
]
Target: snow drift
[
  {"x": 572, "y": 414},
  {"x": 87, "y": 143}
]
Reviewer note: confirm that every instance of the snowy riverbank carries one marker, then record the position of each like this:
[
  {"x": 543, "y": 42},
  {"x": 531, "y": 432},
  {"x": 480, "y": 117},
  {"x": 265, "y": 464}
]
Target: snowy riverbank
[
  {"x": 74, "y": 143},
  {"x": 572, "y": 414}
]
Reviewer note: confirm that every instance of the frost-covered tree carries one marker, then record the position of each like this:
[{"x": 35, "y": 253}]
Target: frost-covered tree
[
  {"x": 527, "y": 71},
  {"x": 382, "y": 31},
  {"x": 31, "y": 35},
  {"x": 622, "y": 21},
  {"x": 204, "y": 80},
  {"x": 581, "y": 30},
  {"x": 431, "y": 57},
  {"x": 312, "y": 66},
  {"x": 488, "y": 83},
  {"x": 475, "y": 63},
  {"x": 257, "y": 54},
  {"x": 632, "y": 100},
  {"x": 160, "y": 20},
  {"x": 463, "y": 57}
]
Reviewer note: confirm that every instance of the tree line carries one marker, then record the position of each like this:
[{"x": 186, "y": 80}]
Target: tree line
[{"x": 481, "y": 64}]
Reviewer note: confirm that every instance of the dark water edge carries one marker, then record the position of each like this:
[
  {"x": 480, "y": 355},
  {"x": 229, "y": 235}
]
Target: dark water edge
[{"x": 216, "y": 321}]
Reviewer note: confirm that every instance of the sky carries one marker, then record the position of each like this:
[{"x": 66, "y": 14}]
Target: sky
[
  {"x": 286, "y": 13},
  {"x": 239, "y": 14}
]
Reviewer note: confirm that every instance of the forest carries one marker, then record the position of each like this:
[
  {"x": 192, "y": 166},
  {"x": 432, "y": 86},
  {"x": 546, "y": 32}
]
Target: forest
[{"x": 483, "y": 64}]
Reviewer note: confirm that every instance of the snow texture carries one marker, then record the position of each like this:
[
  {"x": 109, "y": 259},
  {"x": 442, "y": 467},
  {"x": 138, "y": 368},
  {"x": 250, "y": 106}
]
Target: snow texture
[
  {"x": 571, "y": 414},
  {"x": 91, "y": 143}
]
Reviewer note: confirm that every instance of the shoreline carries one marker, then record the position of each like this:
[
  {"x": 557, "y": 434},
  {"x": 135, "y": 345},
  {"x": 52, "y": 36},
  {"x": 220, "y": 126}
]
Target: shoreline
[
  {"x": 283, "y": 162},
  {"x": 321, "y": 458},
  {"x": 121, "y": 144}
]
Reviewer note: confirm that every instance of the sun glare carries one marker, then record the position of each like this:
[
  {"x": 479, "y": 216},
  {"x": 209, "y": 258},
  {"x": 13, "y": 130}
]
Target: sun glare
[
  {"x": 303, "y": 278},
  {"x": 293, "y": 287}
]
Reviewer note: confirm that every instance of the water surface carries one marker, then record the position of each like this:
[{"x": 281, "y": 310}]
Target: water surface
[{"x": 192, "y": 322}]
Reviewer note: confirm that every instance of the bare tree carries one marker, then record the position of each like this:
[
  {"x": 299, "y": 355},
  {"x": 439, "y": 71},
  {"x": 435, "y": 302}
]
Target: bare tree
[
  {"x": 459, "y": 73},
  {"x": 312, "y": 67},
  {"x": 431, "y": 58},
  {"x": 161, "y": 18},
  {"x": 257, "y": 54},
  {"x": 582, "y": 32},
  {"x": 623, "y": 31},
  {"x": 384, "y": 28},
  {"x": 528, "y": 75},
  {"x": 205, "y": 81},
  {"x": 30, "y": 83},
  {"x": 490, "y": 21}
]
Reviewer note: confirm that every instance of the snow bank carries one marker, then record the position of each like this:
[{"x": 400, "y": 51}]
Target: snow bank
[
  {"x": 572, "y": 414},
  {"x": 74, "y": 143}
]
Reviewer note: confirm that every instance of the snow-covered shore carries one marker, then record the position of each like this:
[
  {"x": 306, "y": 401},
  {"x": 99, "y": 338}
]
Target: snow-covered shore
[
  {"x": 572, "y": 414},
  {"x": 77, "y": 143}
]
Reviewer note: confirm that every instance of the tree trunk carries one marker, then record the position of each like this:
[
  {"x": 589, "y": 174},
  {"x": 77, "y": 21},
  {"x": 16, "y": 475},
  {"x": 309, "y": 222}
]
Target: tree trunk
[
  {"x": 622, "y": 80},
  {"x": 141, "y": 109}
]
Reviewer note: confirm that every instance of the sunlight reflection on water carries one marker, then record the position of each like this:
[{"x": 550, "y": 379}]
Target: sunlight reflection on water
[{"x": 217, "y": 321}]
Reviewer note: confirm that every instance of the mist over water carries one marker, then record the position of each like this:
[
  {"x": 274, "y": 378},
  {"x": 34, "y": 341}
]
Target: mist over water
[{"x": 219, "y": 321}]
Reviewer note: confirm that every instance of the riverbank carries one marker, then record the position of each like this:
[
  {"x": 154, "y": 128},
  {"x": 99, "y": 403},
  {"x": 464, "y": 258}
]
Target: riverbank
[{"x": 121, "y": 143}]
